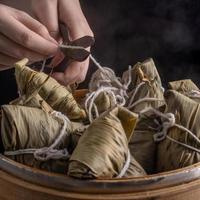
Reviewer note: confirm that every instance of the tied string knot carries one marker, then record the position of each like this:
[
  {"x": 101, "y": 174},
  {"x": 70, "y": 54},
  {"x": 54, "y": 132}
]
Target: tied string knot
[
  {"x": 51, "y": 152},
  {"x": 167, "y": 122},
  {"x": 47, "y": 153}
]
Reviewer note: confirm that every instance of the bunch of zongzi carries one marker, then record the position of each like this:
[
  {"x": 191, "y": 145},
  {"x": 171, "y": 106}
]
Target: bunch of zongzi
[{"x": 119, "y": 127}]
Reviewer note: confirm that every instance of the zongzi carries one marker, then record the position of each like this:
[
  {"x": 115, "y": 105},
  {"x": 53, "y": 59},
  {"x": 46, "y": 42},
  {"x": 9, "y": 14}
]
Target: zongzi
[
  {"x": 56, "y": 95},
  {"x": 146, "y": 88},
  {"x": 179, "y": 148},
  {"x": 102, "y": 151},
  {"x": 24, "y": 129}
]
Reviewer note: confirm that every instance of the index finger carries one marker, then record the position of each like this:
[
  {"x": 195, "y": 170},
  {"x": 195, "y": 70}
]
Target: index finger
[{"x": 22, "y": 35}]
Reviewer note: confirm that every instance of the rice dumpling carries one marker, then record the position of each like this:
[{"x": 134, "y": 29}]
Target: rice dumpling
[
  {"x": 146, "y": 88},
  {"x": 103, "y": 149},
  {"x": 175, "y": 150},
  {"x": 56, "y": 95},
  {"x": 25, "y": 128},
  {"x": 99, "y": 101}
]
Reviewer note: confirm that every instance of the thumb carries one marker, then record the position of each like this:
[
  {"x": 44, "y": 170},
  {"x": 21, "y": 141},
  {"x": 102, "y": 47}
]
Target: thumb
[{"x": 70, "y": 13}]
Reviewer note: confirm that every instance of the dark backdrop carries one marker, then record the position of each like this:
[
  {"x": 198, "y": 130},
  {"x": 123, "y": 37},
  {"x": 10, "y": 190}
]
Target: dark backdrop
[{"x": 128, "y": 31}]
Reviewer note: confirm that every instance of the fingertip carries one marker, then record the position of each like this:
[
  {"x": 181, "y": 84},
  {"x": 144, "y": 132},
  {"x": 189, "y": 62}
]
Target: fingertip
[
  {"x": 51, "y": 49},
  {"x": 51, "y": 39},
  {"x": 43, "y": 31}
]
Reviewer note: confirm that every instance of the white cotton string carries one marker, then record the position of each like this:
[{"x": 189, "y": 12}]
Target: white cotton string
[
  {"x": 194, "y": 94},
  {"x": 98, "y": 65},
  {"x": 168, "y": 121},
  {"x": 108, "y": 77},
  {"x": 100, "y": 80},
  {"x": 19, "y": 92},
  {"x": 162, "y": 88},
  {"x": 150, "y": 109},
  {"x": 94, "y": 95},
  {"x": 47, "y": 153},
  {"x": 128, "y": 79},
  {"x": 19, "y": 152},
  {"x": 183, "y": 144},
  {"x": 114, "y": 80},
  {"x": 90, "y": 101},
  {"x": 66, "y": 122},
  {"x": 96, "y": 111},
  {"x": 43, "y": 65},
  {"x": 135, "y": 92},
  {"x": 71, "y": 47},
  {"x": 166, "y": 125},
  {"x": 188, "y": 131},
  {"x": 126, "y": 166},
  {"x": 121, "y": 100},
  {"x": 146, "y": 99}
]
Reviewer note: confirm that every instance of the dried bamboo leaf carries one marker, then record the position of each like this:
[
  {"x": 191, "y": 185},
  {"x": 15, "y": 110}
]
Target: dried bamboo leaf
[
  {"x": 35, "y": 101},
  {"x": 29, "y": 128},
  {"x": 102, "y": 150},
  {"x": 102, "y": 79},
  {"x": 57, "y": 96},
  {"x": 171, "y": 155},
  {"x": 142, "y": 145},
  {"x": 146, "y": 73},
  {"x": 103, "y": 102},
  {"x": 183, "y": 86},
  {"x": 186, "y": 87},
  {"x": 78, "y": 128},
  {"x": 135, "y": 169}
]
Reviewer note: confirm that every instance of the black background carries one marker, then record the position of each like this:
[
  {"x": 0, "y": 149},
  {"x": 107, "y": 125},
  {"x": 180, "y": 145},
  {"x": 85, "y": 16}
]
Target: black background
[{"x": 128, "y": 31}]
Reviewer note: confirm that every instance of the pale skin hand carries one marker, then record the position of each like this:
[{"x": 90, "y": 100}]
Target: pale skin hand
[
  {"x": 70, "y": 13},
  {"x": 22, "y": 36}
]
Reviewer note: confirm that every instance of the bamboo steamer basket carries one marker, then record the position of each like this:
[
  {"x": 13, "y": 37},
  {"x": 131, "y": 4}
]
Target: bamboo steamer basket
[{"x": 20, "y": 182}]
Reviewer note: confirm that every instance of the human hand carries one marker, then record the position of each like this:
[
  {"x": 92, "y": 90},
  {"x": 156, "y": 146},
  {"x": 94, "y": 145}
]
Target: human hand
[
  {"x": 68, "y": 12},
  {"x": 22, "y": 36}
]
